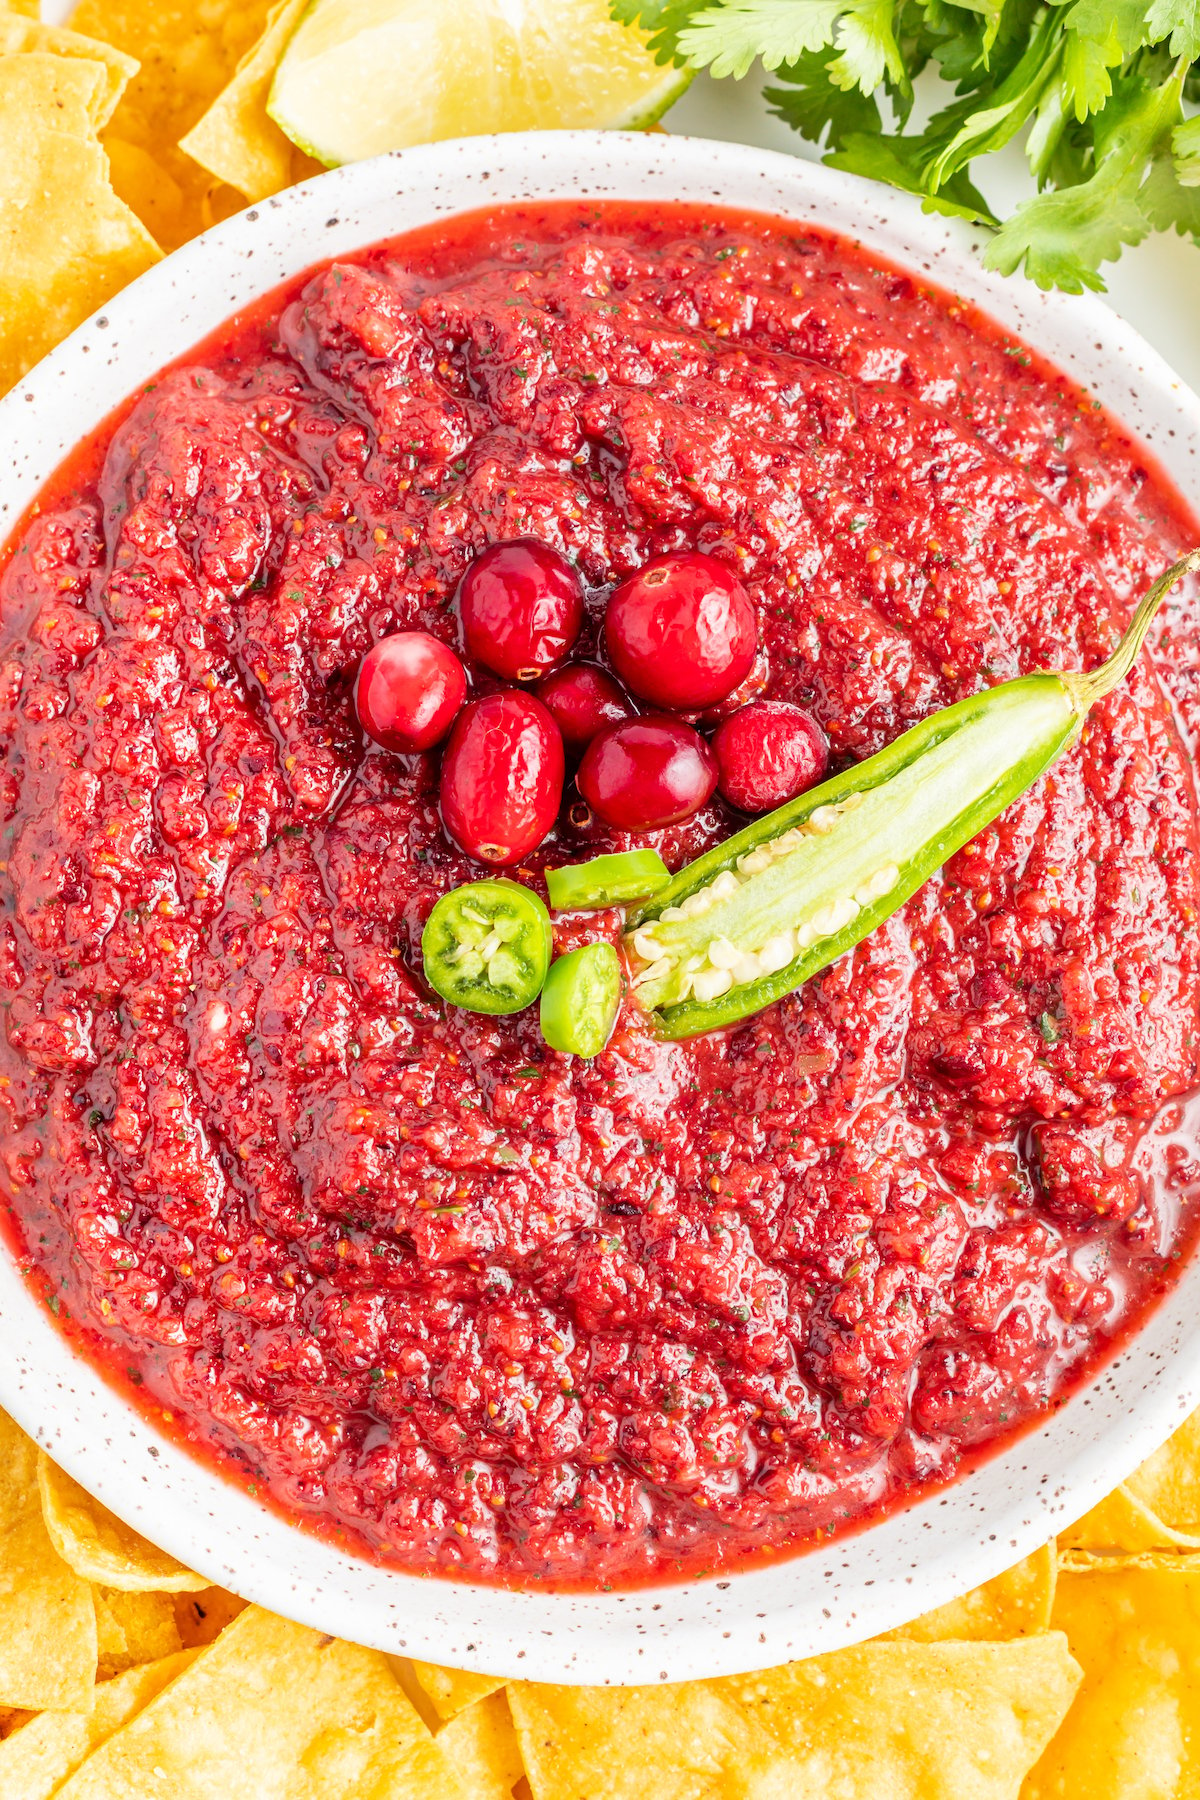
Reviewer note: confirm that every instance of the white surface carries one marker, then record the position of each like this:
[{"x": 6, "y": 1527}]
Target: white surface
[{"x": 863, "y": 1584}]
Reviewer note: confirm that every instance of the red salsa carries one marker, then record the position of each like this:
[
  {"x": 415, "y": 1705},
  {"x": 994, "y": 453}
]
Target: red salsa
[{"x": 473, "y": 1305}]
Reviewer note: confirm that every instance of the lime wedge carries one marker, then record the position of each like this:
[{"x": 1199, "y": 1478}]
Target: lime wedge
[{"x": 362, "y": 76}]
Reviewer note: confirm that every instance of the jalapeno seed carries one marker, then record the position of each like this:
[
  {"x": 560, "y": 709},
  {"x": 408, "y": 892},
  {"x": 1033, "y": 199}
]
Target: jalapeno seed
[
  {"x": 761, "y": 913},
  {"x": 487, "y": 946},
  {"x": 607, "y": 880},
  {"x": 581, "y": 1000}
]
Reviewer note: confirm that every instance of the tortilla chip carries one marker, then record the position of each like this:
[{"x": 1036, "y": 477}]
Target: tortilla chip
[
  {"x": 99, "y": 1547},
  {"x": 66, "y": 242},
  {"x": 481, "y": 1746},
  {"x": 47, "y": 1620},
  {"x": 18, "y": 35},
  {"x": 201, "y": 1618},
  {"x": 51, "y": 1746},
  {"x": 133, "y": 1629},
  {"x": 1015, "y": 1604},
  {"x": 188, "y": 53},
  {"x": 31, "y": 8},
  {"x": 674, "y": 1743},
  {"x": 450, "y": 1690},
  {"x": 235, "y": 139},
  {"x": 275, "y": 1711},
  {"x": 1158, "y": 1508},
  {"x": 1134, "y": 1731},
  {"x": 905, "y": 1721}
]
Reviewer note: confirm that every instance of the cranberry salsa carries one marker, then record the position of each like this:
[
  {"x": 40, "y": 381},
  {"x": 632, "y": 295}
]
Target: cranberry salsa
[{"x": 549, "y": 535}]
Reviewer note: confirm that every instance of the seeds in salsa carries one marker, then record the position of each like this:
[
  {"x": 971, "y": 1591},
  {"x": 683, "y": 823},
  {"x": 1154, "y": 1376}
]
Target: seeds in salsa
[{"x": 471, "y": 1304}]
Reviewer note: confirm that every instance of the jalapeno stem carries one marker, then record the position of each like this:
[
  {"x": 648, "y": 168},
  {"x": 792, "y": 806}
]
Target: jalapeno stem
[
  {"x": 761, "y": 913},
  {"x": 1111, "y": 673}
]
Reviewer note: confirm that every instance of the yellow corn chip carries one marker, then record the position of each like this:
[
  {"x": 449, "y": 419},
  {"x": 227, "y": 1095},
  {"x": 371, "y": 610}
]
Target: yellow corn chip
[
  {"x": 38, "y": 1757},
  {"x": 1134, "y": 1731},
  {"x": 18, "y": 34},
  {"x": 1158, "y": 1508},
  {"x": 133, "y": 1629},
  {"x": 481, "y": 1746},
  {"x": 235, "y": 139},
  {"x": 99, "y": 1547},
  {"x": 271, "y": 1711},
  {"x": 187, "y": 54},
  {"x": 452, "y": 1689},
  {"x": 31, "y": 8},
  {"x": 202, "y": 1617},
  {"x": 905, "y": 1721},
  {"x": 673, "y": 1743},
  {"x": 66, "y": 242},
  {"x": 1015, "y": 1604},
  {"x": 47, "y": 1620}
]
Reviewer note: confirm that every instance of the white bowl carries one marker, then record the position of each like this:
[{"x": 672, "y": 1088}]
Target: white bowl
[{"x": 865, "y": 1583}]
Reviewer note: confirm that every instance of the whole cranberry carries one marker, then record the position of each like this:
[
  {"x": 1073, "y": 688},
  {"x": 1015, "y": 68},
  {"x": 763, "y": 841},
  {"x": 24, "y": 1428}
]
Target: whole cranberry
[
  {"x": 502, "y": 777},
  {"x": 582, "y": 699},
  {"x": 647, "y": 773},
  {"x": 521, "y": 608},
  {"x": 681, "y": 631},
  {"x": 767, "y": 753},
  {"x": 408, "y": 691}
]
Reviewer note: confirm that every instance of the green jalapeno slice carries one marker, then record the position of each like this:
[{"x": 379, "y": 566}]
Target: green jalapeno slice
[
  {"x": 581, "y": 1000},
  {"x": 487, "y": 946},
  {"x": 761, "y": 913},
  {"x": 606, "y": 880}
]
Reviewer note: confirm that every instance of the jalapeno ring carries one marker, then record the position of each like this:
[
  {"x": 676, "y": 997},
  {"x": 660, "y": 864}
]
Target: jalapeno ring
[
  {"x": 606, "y": 880},
  {"x": 581, "y": 999},
  {"x": 487, "y": 946}
]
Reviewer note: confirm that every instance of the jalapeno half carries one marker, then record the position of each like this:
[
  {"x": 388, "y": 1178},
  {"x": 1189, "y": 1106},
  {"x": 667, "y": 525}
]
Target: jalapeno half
[
  {"x": 761, "y": 913},
  {"x": 487, "y": 946},
  {"x": 606, "y": 880},
  {"x": 581, "y": 999}
]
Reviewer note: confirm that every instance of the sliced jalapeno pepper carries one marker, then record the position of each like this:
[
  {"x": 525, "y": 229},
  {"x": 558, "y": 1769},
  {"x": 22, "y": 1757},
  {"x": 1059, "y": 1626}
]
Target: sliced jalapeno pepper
[
  {"x": 581, "y": 999},
  {"x": 761, "y": 913},
  {"x": 487, "y": 946},
  {"x": 606, "y": 880}
]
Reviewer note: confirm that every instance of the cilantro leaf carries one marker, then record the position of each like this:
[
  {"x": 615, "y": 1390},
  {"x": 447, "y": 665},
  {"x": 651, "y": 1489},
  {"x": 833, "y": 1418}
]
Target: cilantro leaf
[
  {"x": 815, "y": 107},
  {"x": 966, "y": 129},
  {"x": 1178, "y": 21},
  {"x": 1168, "y": 204},
  {"x": 1061, "y": 238},
  {"x": 663, "y": 19},
  {"x": 728, "y": 38},
  {"x": 1093, "y": 88},
  {"x": 1185, "y": 144},
  {"x": 902, "y": 161},
  {"x": 1124, "y": 21}
]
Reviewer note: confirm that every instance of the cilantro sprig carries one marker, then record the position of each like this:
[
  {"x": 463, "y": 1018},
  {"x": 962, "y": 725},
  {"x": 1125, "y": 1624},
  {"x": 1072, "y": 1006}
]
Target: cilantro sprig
[{"x": 1097, "y": 91}]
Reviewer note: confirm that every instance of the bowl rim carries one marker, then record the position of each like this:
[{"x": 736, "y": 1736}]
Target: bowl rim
[{"x": 861, "y": 1584}]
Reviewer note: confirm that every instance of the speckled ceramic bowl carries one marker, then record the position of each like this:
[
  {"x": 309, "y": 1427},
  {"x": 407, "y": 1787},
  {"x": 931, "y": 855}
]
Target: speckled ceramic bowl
[{"x": 851, "y": 1589}]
